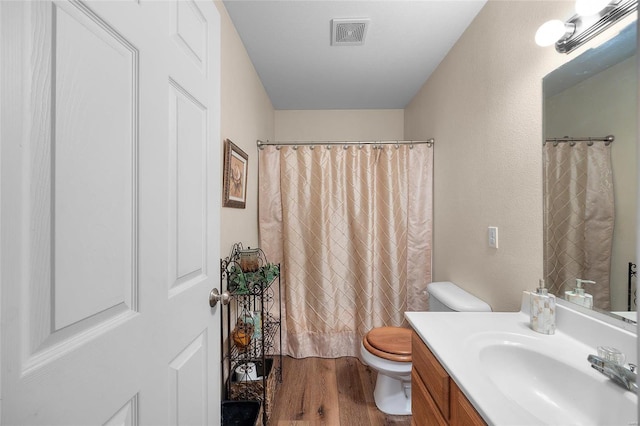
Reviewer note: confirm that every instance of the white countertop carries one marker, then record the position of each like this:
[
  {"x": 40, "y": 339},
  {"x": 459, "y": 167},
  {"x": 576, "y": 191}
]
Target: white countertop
[{"x": 457, "y": 339}]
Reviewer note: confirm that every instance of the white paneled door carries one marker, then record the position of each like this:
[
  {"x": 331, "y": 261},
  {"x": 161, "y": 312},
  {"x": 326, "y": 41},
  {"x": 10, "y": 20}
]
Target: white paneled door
[{"x": 109, "y": 188}]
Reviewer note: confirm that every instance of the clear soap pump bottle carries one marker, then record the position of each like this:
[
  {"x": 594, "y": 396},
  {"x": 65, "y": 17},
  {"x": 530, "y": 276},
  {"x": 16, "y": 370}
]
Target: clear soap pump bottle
[
  {"x": 543, "y": 310},
  {"x": 578, "y": 295}
]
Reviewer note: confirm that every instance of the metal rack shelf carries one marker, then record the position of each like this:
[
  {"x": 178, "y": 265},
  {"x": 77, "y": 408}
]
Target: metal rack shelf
[{"x": 252, "y": 328}]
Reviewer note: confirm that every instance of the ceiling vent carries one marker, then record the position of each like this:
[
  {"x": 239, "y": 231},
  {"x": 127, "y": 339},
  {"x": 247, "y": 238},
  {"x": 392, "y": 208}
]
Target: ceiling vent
[{"x": 348, "y": 32}]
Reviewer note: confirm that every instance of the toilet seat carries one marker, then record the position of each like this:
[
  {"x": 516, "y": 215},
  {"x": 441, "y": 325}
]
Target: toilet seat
[{"x": 390, "y": 343}]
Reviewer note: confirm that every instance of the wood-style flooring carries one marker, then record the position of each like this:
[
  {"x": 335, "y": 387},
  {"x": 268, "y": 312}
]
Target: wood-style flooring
[{"x": 317, "y": 391}]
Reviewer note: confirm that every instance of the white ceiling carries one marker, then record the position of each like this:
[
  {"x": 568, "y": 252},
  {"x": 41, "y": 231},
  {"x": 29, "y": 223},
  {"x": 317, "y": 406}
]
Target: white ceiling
[{"x": 288, "y": 42}]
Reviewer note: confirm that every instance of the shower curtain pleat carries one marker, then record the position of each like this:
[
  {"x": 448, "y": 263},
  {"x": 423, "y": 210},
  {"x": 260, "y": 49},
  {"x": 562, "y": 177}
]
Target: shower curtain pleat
[
  {"x": 352, "y": 229},
  {"x": 579, "y": 218}
]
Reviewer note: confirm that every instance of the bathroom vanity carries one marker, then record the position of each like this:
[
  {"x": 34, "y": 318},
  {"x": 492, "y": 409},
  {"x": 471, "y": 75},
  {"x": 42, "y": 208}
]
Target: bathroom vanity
[
  {"x": 435, "y": 397},
  {"x": 491, "y": 368}
]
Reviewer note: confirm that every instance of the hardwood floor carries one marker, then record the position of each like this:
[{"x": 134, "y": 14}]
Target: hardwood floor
[{"x": 317, "y": 391}]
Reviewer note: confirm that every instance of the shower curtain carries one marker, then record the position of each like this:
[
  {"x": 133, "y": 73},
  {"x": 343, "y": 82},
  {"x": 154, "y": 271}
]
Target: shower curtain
[
  {"x": 579, "y": 218},
  {"x": 351, "y": 227}
]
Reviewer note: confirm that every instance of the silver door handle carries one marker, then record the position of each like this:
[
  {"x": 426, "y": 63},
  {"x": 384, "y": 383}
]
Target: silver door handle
[{"x": 215, "y": 296}]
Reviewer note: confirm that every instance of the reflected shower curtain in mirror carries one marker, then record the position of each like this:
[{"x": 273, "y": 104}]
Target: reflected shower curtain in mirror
[
  {"x": 351, "y": 227},
  {"x": 579, "y": 218}
]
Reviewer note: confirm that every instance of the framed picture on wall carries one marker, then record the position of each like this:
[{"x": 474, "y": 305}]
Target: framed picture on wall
[{"x": 235, "y": 176}]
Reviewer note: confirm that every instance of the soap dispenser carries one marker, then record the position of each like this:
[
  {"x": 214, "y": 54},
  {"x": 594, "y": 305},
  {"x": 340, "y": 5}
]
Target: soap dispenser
[
  {"x": 578, "y": 295},
  {"x": 543, "y": 310}
]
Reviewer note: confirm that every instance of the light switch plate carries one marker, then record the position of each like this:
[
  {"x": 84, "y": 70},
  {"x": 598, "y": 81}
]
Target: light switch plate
[{"x": 493, "y": 236}]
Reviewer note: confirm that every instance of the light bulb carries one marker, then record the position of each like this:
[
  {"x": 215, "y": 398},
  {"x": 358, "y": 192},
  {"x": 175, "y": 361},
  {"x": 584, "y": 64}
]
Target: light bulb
[
  {"x": 590, "y": 7},
  {"x": 550, "y": 32}
]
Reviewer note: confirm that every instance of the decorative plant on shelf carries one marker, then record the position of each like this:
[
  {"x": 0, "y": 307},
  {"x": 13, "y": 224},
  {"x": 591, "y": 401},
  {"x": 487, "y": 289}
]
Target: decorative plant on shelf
[
  {"x": 244, "y": 282},
  {"x": 237, "y": 280},
  {"x": 270, "y": 271}
]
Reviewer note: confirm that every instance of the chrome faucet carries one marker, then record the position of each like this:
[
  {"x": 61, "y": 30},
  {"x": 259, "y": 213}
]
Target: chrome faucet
[{"x": 625, "y": 377}]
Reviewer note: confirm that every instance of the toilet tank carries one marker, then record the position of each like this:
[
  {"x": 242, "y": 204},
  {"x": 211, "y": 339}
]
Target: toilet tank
[{"x": 445, "y": 296}]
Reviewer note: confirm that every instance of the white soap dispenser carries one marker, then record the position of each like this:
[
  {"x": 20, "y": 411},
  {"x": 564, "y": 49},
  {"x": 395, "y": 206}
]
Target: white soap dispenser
[
  {"x": 578, "y": 295},
  {"x": 543, "y": 310}
]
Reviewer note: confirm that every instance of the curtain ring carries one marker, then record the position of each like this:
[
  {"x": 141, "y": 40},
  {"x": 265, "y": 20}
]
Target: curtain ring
[
  {"x": 590, "y": 143},
  {"x": 278, "y": 147},
  {"x": 312, "y": 146},
  {"x": 345, "y": 147},
  {"x": 359, "y": 145},
  {"x": 411, "y": 145},
  {"x": 572, "y": 143},
  {"x": 397, "y": 145},
  {"x": 328, "y": 146}
]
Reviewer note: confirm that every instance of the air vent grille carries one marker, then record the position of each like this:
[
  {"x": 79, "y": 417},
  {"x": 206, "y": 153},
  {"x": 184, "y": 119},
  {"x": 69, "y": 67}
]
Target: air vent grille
[{"x": 348, "y": 32}]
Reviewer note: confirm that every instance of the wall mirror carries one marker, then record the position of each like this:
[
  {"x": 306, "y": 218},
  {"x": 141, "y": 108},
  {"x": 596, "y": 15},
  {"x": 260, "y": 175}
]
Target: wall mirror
[{"x": 590, "y": 183}]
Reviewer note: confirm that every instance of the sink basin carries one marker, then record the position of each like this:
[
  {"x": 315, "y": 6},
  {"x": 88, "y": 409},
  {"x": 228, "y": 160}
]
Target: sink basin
[
  {"x": 553, "y": 388},
  {"x": 515, "y": 376}
]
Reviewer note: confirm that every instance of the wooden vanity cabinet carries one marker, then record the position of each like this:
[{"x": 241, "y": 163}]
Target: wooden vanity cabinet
[{"x": 435, "y": 397}]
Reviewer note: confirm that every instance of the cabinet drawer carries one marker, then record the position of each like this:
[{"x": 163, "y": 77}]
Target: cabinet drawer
[
  {"x": 433, "y": 375},
  {"x": 424, "y": 411},
  {"x": 462, "y": 412}
]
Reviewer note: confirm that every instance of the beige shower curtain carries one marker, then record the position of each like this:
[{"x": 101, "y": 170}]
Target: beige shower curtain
[
  {"x": 579, "y": 218},
  {"x": 352, "y": 228}
]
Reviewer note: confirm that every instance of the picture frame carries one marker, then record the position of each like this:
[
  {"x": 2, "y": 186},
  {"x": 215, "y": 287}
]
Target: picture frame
[{"x": 235, "y": 170}]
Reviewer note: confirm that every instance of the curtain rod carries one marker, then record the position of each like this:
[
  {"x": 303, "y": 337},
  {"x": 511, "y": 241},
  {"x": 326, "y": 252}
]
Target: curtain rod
[
  {"x": 606, "y": 139},
  {"x": 262, "y": 144}
]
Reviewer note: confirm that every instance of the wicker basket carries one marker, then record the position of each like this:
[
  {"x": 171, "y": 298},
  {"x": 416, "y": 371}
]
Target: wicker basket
[{"x": 253, "y": 390}]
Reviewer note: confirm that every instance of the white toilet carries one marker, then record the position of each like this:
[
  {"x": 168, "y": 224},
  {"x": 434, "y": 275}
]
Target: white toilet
[{"x": 388, "y": 349}]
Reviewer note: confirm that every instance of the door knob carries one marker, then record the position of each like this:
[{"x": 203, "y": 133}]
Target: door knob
[{"x": 215, "y": 296}]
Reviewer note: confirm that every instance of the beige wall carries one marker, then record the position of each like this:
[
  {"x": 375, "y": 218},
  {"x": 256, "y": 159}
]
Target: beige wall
[
  {"x": 483, "y": 106},
  {"x": 246, "y": 115},
  {"x": 339, "y": 125}
]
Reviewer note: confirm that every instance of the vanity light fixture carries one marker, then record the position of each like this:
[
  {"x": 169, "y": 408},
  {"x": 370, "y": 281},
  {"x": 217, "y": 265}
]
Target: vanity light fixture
[
  {"x": 592, "y": 17},
  {"x": 552, "y": 31},
  {"x": 590, "y": 7}
]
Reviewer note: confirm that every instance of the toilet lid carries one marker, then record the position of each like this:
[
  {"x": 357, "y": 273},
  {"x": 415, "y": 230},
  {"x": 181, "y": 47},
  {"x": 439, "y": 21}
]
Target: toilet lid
[{"x": 392, "y": 343}]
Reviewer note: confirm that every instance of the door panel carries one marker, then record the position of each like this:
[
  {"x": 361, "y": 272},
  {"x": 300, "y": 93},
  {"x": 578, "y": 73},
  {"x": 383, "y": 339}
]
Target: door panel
[
  {"x": 188, "y": 121},
  {"x": 94, "y": 185},
  {"x": 190, "y": 32},
  {"x": 127, "y": 415},
  {"x": 187, "y": 379},
  {"x": 109, "y": 177}
]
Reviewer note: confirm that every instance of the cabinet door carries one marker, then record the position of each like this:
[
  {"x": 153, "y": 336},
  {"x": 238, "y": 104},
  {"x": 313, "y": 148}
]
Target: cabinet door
[
  {"x": 423, "y": 409},
  {"x": 462, "y": 412},
  {"x": 431, "y": 372}
]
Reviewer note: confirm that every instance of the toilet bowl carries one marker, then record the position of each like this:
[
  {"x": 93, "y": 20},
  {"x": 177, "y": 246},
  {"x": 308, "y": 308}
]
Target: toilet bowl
[{"x": 388, "y": 349}]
